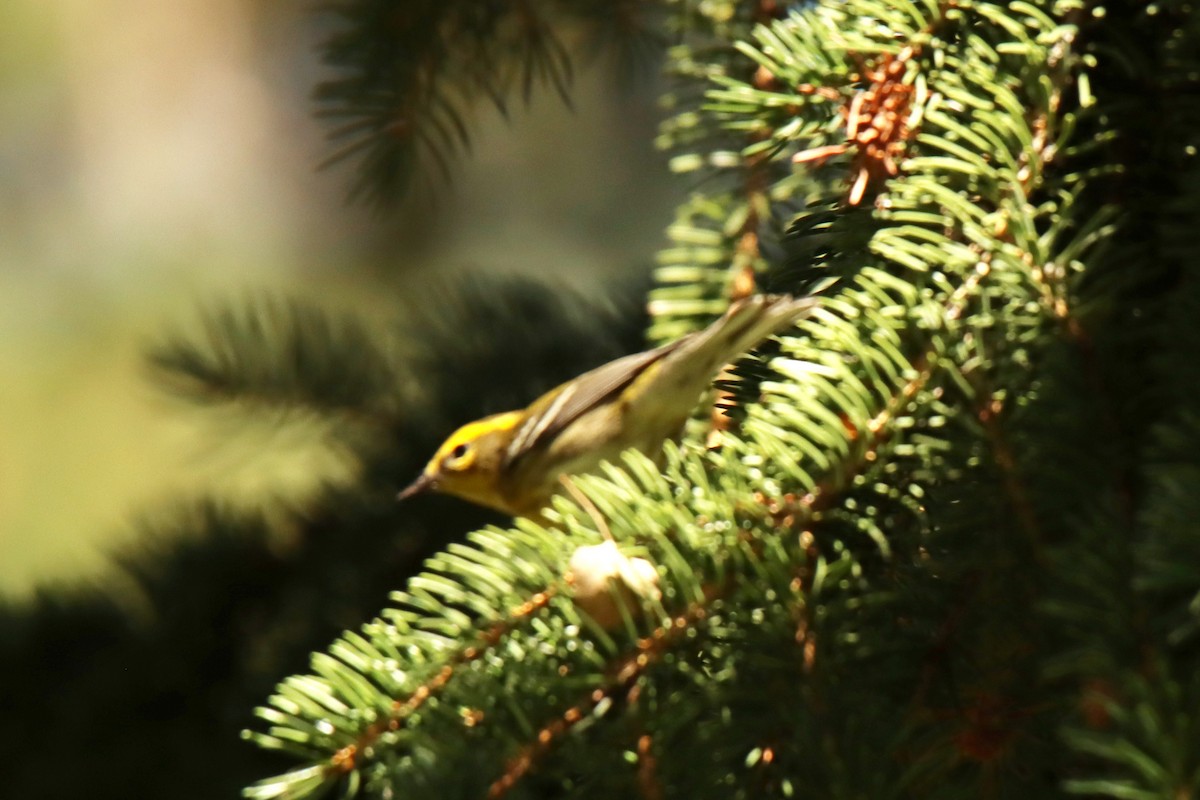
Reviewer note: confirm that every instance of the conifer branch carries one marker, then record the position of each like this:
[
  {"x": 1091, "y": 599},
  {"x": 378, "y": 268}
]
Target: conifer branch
[
  {"x": 788, "y": 514},
  {"x": 345, "y": 759},
  {"x": 621, "y": 679},
  {"x": 924, "y": 152}
]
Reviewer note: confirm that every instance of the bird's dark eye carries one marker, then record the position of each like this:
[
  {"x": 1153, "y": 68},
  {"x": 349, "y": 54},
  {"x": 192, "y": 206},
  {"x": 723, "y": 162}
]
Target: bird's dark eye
[{"x": 459, "y": 451}]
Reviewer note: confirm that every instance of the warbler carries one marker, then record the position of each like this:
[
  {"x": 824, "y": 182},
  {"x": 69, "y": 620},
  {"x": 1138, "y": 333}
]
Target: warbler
[{"x": 513, "y": 461}]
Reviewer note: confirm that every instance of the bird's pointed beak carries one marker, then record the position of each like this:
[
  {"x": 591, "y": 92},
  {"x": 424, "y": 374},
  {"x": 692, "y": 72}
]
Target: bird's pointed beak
[{"x": 423, "y": 483}]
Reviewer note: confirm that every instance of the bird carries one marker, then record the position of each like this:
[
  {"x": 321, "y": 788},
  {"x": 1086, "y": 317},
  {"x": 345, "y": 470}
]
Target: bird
[{"x": 516, "y": 461}]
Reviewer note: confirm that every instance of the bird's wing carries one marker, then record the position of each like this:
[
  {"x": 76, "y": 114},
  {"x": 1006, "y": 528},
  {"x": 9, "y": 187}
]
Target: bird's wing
[
  {"x": 559, "y": 407},
  {"x": 658, "y": 372}
]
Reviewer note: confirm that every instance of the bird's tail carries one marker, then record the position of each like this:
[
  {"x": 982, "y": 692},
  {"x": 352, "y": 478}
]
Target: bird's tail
[{"x": 745, "y": 324}]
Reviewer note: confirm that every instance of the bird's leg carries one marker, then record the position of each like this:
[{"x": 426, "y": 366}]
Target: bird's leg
[{"x": 588, "y": 506}]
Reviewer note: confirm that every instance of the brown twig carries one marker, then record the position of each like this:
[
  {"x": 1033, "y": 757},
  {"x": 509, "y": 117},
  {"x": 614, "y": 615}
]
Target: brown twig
[
  {"x": 622, "y": 678},
  {"x": 346, "y": 759}
]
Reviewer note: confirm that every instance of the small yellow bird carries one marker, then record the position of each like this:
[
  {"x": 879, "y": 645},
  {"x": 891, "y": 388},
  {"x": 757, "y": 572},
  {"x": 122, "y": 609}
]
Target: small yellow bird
[{"x": 514, "y": 461}]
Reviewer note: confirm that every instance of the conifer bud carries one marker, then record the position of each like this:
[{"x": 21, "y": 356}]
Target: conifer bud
[{"x": 603, "y": 579}]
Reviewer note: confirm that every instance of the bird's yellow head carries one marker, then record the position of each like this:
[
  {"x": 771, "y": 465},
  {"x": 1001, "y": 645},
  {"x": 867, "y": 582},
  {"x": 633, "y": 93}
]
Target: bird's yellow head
[{"x": 468, "y": 464}]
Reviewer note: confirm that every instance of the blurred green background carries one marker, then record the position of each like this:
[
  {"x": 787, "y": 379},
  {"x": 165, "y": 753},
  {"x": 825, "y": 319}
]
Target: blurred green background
[{"x": 157, "y": 155}]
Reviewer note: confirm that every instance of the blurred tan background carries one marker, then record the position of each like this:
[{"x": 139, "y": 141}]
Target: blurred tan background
[{"x": 154, "y": 155}]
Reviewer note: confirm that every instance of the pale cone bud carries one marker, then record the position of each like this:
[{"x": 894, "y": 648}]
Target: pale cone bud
[{"x": 595, "y": 569}]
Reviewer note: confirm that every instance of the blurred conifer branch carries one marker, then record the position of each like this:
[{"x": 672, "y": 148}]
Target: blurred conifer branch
[
  {"x": 278, "y": 353},
  {"x": 411, "y": 76}
]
